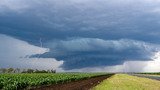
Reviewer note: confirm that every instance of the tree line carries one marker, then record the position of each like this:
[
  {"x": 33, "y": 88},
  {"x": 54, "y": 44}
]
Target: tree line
[{"x": 18, "y": 70}]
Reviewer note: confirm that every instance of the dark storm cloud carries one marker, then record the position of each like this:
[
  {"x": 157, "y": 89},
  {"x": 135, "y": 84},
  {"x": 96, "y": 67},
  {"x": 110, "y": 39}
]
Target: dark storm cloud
[
  {"x": 88, "y": 52},
  {"x": 57, "y": 20},
  {"x": 90, "y": 19}
]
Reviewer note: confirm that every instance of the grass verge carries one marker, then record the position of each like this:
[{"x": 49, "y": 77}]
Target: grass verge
[{"x": 127, "y": 82}]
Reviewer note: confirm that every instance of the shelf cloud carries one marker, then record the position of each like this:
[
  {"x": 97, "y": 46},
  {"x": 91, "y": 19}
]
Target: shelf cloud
[
  {"x": 89, "y": 52},
  {"x": 83, "y": 33}
]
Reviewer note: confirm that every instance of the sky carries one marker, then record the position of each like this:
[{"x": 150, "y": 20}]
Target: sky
[{"x": 81, "y": 35}]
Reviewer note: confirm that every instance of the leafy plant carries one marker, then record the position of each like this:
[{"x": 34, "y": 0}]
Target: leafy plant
[{"x": 20, "y": 81}]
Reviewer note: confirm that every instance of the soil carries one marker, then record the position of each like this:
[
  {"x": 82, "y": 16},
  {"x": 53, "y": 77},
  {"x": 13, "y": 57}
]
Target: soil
[{"x": 75, "y": 85}]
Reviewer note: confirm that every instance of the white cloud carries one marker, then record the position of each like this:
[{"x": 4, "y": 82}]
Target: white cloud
[
  {"x": 143, "y": 66},
  {"x": 13, "y": 53},
  {"x": 13, "y": 5},
  {"x": 39, "y": 63}
]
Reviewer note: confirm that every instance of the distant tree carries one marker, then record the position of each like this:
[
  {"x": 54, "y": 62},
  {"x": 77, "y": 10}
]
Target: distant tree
[
  {"x": 17, "y": 70},
  {"x": 3, "y": 70},
  {"x": 41, "y": 71},
  {"x": 10, "y": 70},
  {"x": 48, "y": 71},
  {"x": 30, "y": 70},
  {"x": 53, "y": 71},
  {"x": 24, "y": 71},
  {"x": 36, "y": 71}
]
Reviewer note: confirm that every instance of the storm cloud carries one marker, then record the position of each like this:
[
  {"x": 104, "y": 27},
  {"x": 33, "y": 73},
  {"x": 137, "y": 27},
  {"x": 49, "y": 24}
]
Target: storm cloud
[
  {"x": 88, "y": 52},
  {"x": 58, "y": 19},
  {"x": 85, "y": 33}
]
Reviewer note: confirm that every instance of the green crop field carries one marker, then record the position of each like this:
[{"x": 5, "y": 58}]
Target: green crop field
[
  {"x": 20, "y": 81},
  {"x": 127, "y": 82}
]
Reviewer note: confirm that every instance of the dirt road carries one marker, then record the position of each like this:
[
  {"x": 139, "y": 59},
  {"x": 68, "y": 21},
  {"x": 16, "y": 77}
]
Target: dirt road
[{"x": 76, "y": 85}]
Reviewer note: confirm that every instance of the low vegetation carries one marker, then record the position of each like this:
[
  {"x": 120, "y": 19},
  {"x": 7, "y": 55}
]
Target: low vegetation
[
  {"x": 26, "y": 80},
  {"x": 127, "y": 82},
  {"x": 19, "y": 70},
  {"x": 158, "y": 73}
]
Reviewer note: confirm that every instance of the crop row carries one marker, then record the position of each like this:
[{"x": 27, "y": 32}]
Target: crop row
[{"x": 21, "y": 81}]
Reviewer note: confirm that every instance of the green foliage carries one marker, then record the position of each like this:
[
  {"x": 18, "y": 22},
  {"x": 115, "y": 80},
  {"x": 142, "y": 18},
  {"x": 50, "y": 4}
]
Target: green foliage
[
  {"x": 18, "y": 70},
  {"x": 157, "y": 73},
  {"x": 20, "y": 81}
]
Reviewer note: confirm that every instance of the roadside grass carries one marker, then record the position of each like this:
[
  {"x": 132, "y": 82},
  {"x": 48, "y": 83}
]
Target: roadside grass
[{"x": 127, "y": 82}]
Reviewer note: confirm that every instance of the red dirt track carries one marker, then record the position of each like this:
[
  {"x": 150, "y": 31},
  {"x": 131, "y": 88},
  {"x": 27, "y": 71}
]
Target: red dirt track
[{"x": 75, "y": 85}]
